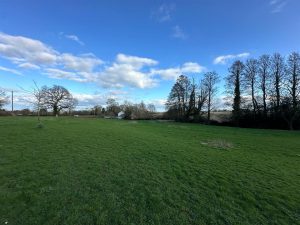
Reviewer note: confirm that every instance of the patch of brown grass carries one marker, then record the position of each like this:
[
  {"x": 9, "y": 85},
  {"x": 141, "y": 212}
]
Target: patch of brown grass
[{"x": 218, "y": 144}]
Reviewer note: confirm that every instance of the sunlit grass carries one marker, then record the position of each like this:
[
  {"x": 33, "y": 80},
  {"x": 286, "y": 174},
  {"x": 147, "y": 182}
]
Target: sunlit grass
[{"x": 96, "y": 171}]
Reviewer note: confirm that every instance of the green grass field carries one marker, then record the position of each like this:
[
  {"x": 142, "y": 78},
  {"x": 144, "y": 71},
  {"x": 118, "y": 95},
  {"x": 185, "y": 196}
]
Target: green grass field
[{"x": 95, "y": 171}]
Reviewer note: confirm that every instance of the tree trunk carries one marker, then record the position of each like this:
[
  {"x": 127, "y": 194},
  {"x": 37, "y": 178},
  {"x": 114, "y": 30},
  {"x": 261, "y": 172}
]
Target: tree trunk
[
  {"x": 237, "y": 99},
  {"x": 277, "y": 87},
  {"x": 264, "y": 95},
  {"x": 55, "y": 110},
  {"x": 291, "y": 126},
  {"x": 294, "y": 89},
  {"x": 208, "y": 108},
  {"x": 254, "y": 103}
]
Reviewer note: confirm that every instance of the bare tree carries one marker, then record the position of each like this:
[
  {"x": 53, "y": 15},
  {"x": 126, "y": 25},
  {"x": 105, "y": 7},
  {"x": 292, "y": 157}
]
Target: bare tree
[
  {"x": 202, "y": 94},
  {"x": 250, "y": 77},
  {"x": 112, "y": 106},
  {"x": 293, "y": 77},
  {"x": 57, "y": 98},
  {"x": 71, "y": 105},
  {"x": 264, "y": 77},
  {"x": 192, "y": 100},
  {"x": 3, "y": 98},
  {"x": 290, "y": 107},
  {"x": 277, "y": 67},
  {"x": 97, "y": 109},
  {"x": 37, "y": 99},
  {"x": 38, "y": 95},
  {"x": 151, "y": 108},
  {"x": 210, "y": 81}
]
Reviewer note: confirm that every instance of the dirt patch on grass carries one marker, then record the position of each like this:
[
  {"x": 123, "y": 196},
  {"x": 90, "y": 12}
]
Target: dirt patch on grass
[
  {"x": 178, "y": 126},
  {"x": 218, "y": 144},
  {"x": 133, "y": 122}
]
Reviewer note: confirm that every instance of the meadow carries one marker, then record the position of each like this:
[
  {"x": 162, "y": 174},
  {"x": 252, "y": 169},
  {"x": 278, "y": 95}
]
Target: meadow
[{"x": 96, "y": 171}]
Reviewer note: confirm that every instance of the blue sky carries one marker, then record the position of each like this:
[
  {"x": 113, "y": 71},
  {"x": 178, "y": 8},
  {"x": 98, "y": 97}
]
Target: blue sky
[{"x": 134, "y": 50}]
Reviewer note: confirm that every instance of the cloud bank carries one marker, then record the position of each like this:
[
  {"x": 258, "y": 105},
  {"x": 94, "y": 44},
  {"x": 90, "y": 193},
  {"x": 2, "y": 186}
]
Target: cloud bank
[{"x": 125, "y": 70}]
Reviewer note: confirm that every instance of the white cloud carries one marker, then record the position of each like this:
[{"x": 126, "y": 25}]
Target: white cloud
[
  {"x": 177, "y": 32},
  {"x": 74, "y": 38},
  {"x": 173, "y": 73},
  {"x": 136, "y": 62},
  {"x": 28, "y": 52},
  {"x": 83, "y": 63},
  {"x": 28, "y": 66},
  {"x": 125, "y": 70},
  {"x": 160, "y": 104},
  {"x": 23, "y": 100},
  {"x": 117, "y": 92},
  {"x": 128, "y": 70},
  {"x": 10, "y": 70},
  {"x": 20, "y": 49},
  {"x": 192, "y": 67},
  {"x": 89, "y": 100},
  {"x": 138, "y": 72},
  {"x": 164, "y": 12},
  {"x": 277, "y": 5},
  {"x": 223, "y": 59},
  {"x": 118, "y": 75},
  {"x": 33, "y": 54},
  {"x": 61, "y": 74}
]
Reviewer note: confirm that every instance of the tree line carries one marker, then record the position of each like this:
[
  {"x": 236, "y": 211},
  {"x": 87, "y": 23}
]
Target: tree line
[
  {"x": 262, "y": 92},
  {"x": 59, "y": 100},
  {"x": 187, "y": 99},
  {"x": 56, "y": 98}
]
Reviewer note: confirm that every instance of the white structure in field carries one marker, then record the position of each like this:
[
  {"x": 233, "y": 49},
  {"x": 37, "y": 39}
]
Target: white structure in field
[{"x": 121, "y": 115}]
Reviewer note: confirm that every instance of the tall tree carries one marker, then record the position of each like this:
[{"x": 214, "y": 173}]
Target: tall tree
[
  {"x": 210, "y": 82},
  {"x": 192, "y": 100},
  {"x": 251, "y": 69},
  {"x": 233, "y": 85},
  {"x": 3, "y": 98},
  {"x": 290, "y": 107},
  {"x": 178, "y": 99},
  {"x": 277, "y": 67},
  {"x": 151, "y": 108},
  {"x": 57, "y": 98},
  {"x": 201, "y": 98},
  {"x": 185, "y": 85},
  {"x": 112, "y": 106},
  {"x": 97, "y": 109},
  {"x": 71, "y": 105},
  {"x": 293, "y": 77},
  {"x": 264, "y": 77},
  {"x": 174, "y": 102}
]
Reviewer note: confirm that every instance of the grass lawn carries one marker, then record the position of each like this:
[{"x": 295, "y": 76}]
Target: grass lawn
[{"x": 95, "y": 171}]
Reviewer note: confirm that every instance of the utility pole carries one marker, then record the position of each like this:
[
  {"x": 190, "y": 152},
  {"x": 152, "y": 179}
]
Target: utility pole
[{"x": 12, "y": 101}]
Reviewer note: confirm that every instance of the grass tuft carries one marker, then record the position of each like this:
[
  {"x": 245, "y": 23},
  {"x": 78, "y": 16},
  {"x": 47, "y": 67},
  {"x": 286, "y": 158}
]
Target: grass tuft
[{"x": 40, "y": 125}]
